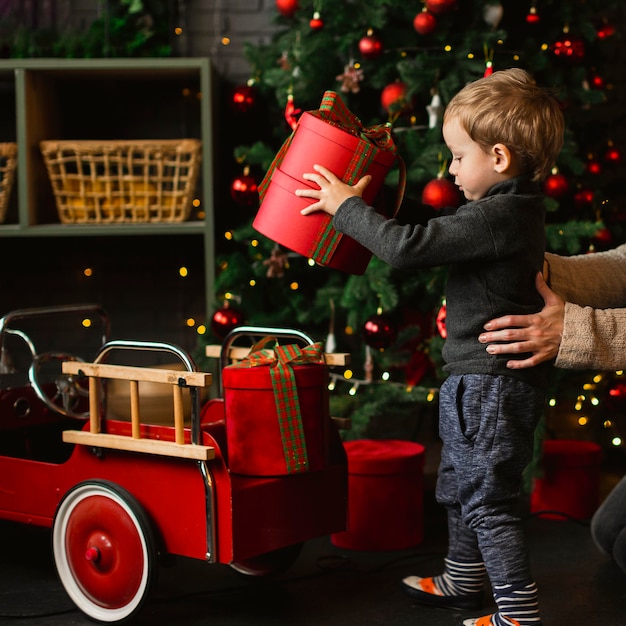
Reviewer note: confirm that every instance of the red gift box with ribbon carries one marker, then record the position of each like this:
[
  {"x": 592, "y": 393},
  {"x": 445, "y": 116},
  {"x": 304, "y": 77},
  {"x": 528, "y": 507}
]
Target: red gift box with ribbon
[
  {"x": 277, "y": 416},
  {"x": 335, "y": 138}
]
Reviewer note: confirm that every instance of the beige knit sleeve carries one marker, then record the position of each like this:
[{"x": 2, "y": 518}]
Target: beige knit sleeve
[
  {"x": 597, "y": 279},
  {"x": 593, "y": 339},
  {"x": 594, "y": 288}
]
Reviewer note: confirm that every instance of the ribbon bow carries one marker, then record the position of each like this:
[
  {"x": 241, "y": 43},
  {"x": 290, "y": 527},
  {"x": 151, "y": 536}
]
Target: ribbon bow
[
  {"x": 334, "y": 111},
  {"x": 286, "y": 395}
]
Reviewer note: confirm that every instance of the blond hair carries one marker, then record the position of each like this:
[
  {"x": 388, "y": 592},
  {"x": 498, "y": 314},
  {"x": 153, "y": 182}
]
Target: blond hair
[{"x": 509, "y": 108}]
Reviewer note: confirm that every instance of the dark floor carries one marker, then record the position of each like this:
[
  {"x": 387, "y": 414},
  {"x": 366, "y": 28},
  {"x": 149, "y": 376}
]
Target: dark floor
[{"x": 327, "y": 585}]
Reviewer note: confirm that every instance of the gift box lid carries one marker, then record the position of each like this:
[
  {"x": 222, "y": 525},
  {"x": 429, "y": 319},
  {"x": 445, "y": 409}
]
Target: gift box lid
[
  {"x": 385, "y": 456},
  {"x": 258, "y": 378}
]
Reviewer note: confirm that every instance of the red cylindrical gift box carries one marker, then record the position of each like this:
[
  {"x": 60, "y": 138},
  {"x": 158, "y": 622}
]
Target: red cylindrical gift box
[
  {"x": 254, "y": 441},
  {"x": 571, "y": 479},
  {"x": 385, "y": 495},
  {"x": 316, "y": 141}
]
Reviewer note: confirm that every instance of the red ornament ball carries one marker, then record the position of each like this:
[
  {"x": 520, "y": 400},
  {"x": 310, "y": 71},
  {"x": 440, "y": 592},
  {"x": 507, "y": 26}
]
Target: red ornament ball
[
  {"x": 226, "y": 319},
  {"x": 556, "y": 186},
  {"x": 594, "y": 167},
  {"x": 612, "y": 155},
  {"x": 244, "y": 190},
  {"x": 287, "y": 7},
  {"x": 597, "y": 82},
  {"x": 440, "y": 6},
  {"x": 533, "y": 16},
  {"x": 316, "y": 23},
  {"x": 370, "y": 47},
  {"x": 606, "y": 30},
  {"x": 379, "y": 332},
  {"x": 583, "y": 198},
  {"x": 616, "y": 397},
  {"x": 243, "y": 98},
  {"x": 441, "y": 192},
  {"x": 394, "y": 99},
  {"x": 603, "y": 238},
  {"x": 571, "y": 49},
  {"x": 424, "y": 23}
]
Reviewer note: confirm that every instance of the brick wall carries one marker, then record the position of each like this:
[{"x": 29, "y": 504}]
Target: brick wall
[{"x": 208, "y": 22}]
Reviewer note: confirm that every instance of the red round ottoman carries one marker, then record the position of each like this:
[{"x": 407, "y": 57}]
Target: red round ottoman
[
  {"x": 385, "y": 495},
  {"x": 571, "y": 479}
]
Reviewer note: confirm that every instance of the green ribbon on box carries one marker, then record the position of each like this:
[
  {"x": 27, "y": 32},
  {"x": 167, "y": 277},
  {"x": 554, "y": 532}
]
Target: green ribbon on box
[
  {"x": 280, "y": 359},
  {"x": 378, "y": 137}
]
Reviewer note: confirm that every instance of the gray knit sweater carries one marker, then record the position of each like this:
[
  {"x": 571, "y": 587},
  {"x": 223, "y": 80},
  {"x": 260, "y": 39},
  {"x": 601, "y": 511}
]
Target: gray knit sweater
[
  {"x": 594, "y": 288},
  {"x": 494, "y": 248}
]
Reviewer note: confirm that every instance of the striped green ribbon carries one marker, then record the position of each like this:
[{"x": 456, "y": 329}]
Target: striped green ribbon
[{"x": 286, "y": 399}]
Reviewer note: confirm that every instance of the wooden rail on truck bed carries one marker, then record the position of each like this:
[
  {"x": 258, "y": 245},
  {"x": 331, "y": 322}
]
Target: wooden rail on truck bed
[{"x": 95, "y": 438}]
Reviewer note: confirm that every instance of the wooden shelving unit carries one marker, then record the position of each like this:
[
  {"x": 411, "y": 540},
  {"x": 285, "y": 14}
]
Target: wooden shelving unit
[{"x": 46, "y": 99}]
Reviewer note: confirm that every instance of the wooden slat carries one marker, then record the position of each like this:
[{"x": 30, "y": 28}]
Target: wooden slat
[
  {"x": 236, "y": 353},
  {"x": 146, "y": 446},
  {"x": 128, "y": 372}
]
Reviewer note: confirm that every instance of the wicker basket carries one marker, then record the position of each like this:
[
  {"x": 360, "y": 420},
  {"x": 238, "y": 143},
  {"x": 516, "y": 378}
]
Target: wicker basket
[
  {"x": 8, "y": 160},
  {"x": 106, "y": 182}
]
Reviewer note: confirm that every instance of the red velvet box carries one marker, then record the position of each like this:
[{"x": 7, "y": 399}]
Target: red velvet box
[
  {"x": 349, "y": 156},
  {"x": 254, "y": 441},
  {"x": 571, "y": 479},
  {"x": 385, "y": 495}
]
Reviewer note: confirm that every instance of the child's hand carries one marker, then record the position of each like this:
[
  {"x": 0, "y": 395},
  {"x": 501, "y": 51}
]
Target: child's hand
[{"x": 332, "y": 190}]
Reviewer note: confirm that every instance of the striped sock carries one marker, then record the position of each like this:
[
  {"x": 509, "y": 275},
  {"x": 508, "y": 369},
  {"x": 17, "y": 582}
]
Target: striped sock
[
  {"x": 517, "y": 606},
  {"x": 519, "y": 603},
  {"x": 459, "y": 579}
]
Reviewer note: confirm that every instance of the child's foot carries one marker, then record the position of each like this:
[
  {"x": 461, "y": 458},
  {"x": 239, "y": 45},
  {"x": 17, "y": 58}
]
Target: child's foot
[{"x": 426, "y": 591}]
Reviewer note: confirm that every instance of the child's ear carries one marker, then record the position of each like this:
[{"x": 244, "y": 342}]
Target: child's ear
[{"x": 502, "y": 158}]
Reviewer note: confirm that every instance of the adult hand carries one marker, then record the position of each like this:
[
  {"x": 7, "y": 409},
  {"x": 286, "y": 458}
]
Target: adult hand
[
  {"x": 539, "y": 334},
  {"x": 332, "y": 190}
]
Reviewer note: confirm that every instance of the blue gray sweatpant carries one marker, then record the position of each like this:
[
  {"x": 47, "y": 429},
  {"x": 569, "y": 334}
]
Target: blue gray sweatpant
[{"x": 487, "y": 425}]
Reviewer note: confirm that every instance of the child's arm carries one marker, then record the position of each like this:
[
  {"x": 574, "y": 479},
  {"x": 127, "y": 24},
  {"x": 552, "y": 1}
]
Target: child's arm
[{"x": 332, "y": 191}]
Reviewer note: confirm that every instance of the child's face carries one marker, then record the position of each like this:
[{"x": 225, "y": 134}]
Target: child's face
[{"x": 473, "y": 169}]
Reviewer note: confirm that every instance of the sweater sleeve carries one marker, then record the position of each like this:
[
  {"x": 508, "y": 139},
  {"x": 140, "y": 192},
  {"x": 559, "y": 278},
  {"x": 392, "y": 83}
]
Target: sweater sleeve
[
  {"x": 597, "y": 280},
  {"x": 593, "y": 339},
  {"x": 442, "y": 241},
  {"x": 594, "y": 288}
]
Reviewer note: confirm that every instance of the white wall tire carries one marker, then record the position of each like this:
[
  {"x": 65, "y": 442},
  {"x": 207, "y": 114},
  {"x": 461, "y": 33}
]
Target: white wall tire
[{"x": 104, "y": 551}]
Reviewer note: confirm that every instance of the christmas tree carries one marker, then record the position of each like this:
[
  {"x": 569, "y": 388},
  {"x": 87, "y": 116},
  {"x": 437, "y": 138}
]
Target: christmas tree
[{"x": 399, "y": 63}]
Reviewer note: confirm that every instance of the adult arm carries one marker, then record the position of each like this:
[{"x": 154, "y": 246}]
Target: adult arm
[{"x": 592, "y": 322}]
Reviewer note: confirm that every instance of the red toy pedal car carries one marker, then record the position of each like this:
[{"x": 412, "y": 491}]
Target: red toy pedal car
[{"x": 119, "y": 493}]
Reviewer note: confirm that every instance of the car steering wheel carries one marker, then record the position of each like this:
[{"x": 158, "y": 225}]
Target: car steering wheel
[{"x": 69, "y": 391}]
